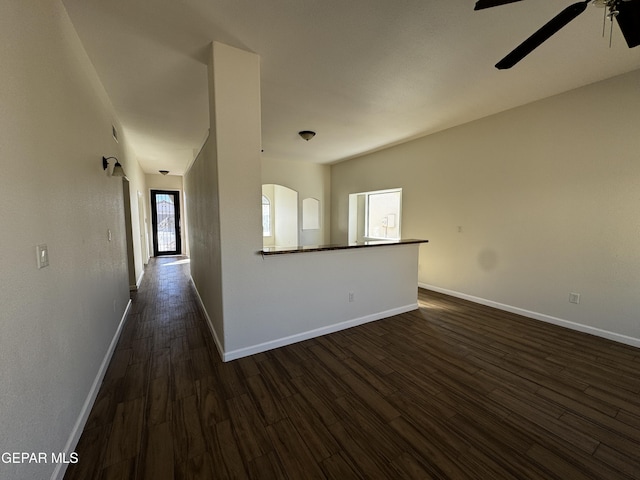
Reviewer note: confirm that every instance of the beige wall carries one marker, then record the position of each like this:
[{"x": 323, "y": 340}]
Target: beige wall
[
  {"x": 139, "y": 207},
  {"x": 164, "y": 182},
  {"x": 57, "y": 323},
  {"x": 310, "y": 180},
  {"x": 203, "y": 210},
  {"x": 547, "y": 200}
]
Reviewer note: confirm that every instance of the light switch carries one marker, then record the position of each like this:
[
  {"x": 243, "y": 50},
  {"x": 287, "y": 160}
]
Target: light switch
[{"x": 43, "y": 256}]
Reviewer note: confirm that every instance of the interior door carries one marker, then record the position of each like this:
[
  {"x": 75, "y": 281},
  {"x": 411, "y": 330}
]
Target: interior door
[{"x": 165, "y": 218}]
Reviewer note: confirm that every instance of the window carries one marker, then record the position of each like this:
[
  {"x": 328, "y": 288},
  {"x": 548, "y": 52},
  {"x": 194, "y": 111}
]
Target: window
[
  {"x": 382, "y": 214},
  {"x": 266, "y": 216},
  {"x": 375, "y": 215}
]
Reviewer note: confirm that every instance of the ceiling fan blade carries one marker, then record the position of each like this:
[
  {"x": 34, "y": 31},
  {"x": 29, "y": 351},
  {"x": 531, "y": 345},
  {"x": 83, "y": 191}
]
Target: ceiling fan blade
[
  {"x": 629, "y": 22},
  {"x": 481, "y": 4},
  {"x": 543, "y": 34}
]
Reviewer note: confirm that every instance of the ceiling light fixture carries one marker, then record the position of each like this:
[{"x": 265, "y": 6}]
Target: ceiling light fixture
[
  {"x": 307, "y": 134},
  {"x": 117, "y": 168},
  {"x": 163, "y": 172}
]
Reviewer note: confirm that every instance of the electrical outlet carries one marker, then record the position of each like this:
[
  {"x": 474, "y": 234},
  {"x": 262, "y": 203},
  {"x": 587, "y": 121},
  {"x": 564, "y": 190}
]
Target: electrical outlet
[
  {"x": 574, "y": 298},
  {"x": 351, "y": 297}
]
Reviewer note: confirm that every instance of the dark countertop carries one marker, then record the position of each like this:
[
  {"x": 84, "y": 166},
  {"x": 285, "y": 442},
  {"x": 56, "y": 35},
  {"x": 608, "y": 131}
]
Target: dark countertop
[{"x": 323, "y": 248}]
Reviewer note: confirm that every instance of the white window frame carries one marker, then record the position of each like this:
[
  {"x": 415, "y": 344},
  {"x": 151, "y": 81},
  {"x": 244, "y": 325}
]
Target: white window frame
[
  {"x": 358, "y": 216},
  {"x": 366, "y": 214}
]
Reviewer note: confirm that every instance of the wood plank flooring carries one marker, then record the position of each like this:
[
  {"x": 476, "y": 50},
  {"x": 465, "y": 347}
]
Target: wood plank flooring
[{"x": 453, "y": 390}]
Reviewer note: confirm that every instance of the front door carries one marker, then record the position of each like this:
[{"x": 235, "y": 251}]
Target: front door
[{"x": 165, "y": 217}]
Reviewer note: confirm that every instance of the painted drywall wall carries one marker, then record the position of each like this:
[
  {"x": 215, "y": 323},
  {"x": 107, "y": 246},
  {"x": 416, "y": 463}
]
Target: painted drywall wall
[
  {"x": 310, "y": 214},
  {"x": 202, "y": 206},
  {"x": 524, "y": 207},
  {"x": 303, "y": 295},
  {"x": 57, "y": 322},
  {"x": 283, "y": 220},
  {"x": 310, "y": 180},
  {"x": 164, "y": 182},
  {"x": 285, "y": 203},
  {"x": 254, "y": 302},
  {"x": 138, "y": 205}
]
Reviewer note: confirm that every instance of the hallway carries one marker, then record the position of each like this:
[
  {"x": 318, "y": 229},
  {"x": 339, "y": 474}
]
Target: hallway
[
  {"x": 143, "y": 419},
  {"x": 454, "y": 390}
]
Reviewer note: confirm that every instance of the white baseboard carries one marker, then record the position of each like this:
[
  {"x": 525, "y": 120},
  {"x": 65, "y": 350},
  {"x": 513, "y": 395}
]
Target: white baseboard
[
  {"x": 61, "y": 468},
  {"x": 616, "y": 337},
  {"x": 281, "y": 342},
  {"x": 209, "y": 322},
  {"x": 134, "y": 288},
  {"x": 299, "y": 337}
]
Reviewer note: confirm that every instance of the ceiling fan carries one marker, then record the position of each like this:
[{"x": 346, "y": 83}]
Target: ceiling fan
[{"x": 626, "y": 12}]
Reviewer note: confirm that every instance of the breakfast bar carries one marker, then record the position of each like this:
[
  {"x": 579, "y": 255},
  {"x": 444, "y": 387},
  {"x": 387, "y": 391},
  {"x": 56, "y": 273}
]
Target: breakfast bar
[
  {"x": 308, "y": 291},
  {"x": 266, "y": 251}
]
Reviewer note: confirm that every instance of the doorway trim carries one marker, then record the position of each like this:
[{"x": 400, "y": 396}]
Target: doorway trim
[{"x": 154, "y": 222}]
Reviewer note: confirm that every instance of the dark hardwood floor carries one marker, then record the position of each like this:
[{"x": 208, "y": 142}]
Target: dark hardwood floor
[{"x": 453, "y": 390}]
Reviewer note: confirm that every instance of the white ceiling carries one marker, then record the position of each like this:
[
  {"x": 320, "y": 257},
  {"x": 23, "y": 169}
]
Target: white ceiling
[{"x": 364, "y": 74}]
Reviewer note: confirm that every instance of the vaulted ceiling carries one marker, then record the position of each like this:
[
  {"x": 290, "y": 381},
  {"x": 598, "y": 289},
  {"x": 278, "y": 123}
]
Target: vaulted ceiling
[{"x": 363, "y": 74}]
